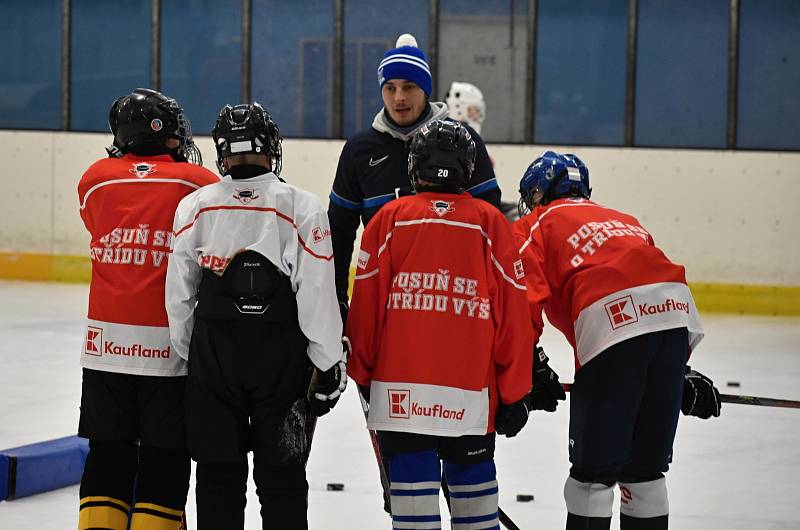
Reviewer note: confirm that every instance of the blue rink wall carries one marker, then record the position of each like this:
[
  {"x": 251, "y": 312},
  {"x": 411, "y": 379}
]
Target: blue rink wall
[{"x": 729, "y": 216}]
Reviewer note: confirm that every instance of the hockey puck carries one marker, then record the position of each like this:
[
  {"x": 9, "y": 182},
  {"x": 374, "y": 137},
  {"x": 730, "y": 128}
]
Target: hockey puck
[
  {"x": 524, "y": 498},
  {"x": 734, "y": 384},
  {"x": 334, "y": 486}
]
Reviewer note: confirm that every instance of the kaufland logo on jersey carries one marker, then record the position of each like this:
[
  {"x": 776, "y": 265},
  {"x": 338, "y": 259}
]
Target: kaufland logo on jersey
[
  {"x": 94, "y": 341},
  {"x": 95, "y": 345},
  {"x": 401, "y": 406},
  {"x": 623, "y": 311}
]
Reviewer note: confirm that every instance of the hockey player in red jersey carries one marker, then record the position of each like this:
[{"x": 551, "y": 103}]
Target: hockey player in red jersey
[
  {"x": 441, "y": 344},
  {"x": 133, "y": 381},
  {"x": 626, "y": 310},
  {"x": 252, "y": 305}
]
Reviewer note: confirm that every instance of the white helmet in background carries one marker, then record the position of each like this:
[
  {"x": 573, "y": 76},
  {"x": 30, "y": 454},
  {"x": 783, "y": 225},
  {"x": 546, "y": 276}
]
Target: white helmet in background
[{"x": 465, "y": 103}]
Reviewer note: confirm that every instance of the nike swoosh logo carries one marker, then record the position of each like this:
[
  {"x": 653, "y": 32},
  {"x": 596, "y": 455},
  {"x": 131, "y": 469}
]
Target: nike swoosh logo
[{"x": 373, "y": 163}]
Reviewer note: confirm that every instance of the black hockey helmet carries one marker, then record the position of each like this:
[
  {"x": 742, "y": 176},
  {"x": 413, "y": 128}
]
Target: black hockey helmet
[
  {"x": 442, "y": 153},
  {"x": 247, "y": 129},
  {"x": 142, "y": 121}
]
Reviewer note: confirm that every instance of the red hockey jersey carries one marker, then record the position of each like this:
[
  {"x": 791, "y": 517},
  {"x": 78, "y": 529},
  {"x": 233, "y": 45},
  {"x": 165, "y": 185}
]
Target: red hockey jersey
[
  {"x": 128, "y": 205},
  {"x": 600, "y": 278},
  {"x": 438, "y": 323}
]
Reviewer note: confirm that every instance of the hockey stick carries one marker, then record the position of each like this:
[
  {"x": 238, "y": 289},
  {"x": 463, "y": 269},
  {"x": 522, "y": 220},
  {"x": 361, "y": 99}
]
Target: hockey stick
[
  {"x": 760, "y": 401},
  {"x": 378, "y": 457},
  {"x": 743, "y": 400}
]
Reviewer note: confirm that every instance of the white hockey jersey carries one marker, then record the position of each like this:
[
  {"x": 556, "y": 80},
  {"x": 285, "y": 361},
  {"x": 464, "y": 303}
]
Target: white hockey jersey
[{"x": 282, "y": 222}]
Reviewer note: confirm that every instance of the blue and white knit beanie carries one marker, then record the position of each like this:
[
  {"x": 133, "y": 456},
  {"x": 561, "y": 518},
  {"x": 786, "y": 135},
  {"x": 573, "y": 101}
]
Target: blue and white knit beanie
[{"x": 406, "y": 61}]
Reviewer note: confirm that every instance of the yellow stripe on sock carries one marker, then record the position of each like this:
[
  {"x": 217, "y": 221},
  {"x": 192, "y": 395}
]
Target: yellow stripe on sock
[
  {"x": 109, "y": 514},
  {"x": 122, "y": 504},
  {"x": 153, "y": 518},
  {"x": 158, "y": 508}
]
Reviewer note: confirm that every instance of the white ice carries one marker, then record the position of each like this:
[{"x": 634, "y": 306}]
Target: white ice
[{"x": 736, "y": 472}]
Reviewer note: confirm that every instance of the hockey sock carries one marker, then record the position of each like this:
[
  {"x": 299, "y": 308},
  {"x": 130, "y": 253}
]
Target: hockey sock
[
  {"x": 148, "y": 516},
  {"x": 163, "y": 478},
  {"x": 221, "y": 495},
  {"x": 103, "y": 513},
  {"x": 282, "y": 490},
  {"x": 473, "y": 495},
  {"x": 588, "y": 505},
  {"x": 644, "y": 505},
  {"x": 414, "y": 486},
  {"x": 107, "y": 485}
]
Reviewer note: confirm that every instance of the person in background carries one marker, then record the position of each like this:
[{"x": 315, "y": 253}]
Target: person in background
[
  {"x": 252, "y": 307},
  {"x": 627, "y": 312},
  {"x": 465, "y": 103},
  {"x": 373, "y": 165},
  {"x": 440, "y": 335},
  {"x": 133, "y": 381}
]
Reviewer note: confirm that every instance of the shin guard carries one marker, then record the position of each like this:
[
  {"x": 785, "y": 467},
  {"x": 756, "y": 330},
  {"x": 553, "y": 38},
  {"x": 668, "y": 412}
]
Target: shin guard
[
  {"x": 473, "y": 495},
  {"x": 414, "y": 480}
]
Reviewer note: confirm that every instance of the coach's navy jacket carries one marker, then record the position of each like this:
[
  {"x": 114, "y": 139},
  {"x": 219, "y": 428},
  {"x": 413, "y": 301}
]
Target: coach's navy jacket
[{"x": 373, "y": 170}]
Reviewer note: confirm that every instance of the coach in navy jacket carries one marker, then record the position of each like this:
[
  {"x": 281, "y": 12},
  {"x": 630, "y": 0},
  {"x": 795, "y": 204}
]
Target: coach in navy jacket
[{"x": 373, "y": 166}]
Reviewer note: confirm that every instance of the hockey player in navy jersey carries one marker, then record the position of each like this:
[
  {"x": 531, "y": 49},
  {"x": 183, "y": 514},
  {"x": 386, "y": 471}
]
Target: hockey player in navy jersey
[
  {"x": 252, "y": 306},
  {"x": 372, "y": 167},
  {"x": 627, "y": 312}
]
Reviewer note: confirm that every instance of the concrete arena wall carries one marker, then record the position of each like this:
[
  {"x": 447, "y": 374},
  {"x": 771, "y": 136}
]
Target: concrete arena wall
[{"x": 729, "y": 216}]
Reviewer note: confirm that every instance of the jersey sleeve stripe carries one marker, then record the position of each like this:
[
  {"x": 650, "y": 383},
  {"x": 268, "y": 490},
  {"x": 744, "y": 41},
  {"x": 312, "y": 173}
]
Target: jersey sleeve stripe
[
  {"x": 254, "y": 209},
  {"x": 482, "y": 187},
  {"x": 344, "y": 203},
  {"x": 379, "y": 200},
  {"x": 136, "y": 181}
]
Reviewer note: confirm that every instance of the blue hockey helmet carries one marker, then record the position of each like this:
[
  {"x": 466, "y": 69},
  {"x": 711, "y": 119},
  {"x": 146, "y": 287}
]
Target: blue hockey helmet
[{"x": 553, "y": 176}]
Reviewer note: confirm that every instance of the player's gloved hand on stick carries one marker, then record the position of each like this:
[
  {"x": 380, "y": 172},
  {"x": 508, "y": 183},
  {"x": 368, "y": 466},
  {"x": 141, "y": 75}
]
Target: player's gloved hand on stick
[
  {"x": 512, "y": 418},
  {"x": 547, "y": 390},
  {"x": 700, "y": 396},
  {"x": 326, "y": 387}
]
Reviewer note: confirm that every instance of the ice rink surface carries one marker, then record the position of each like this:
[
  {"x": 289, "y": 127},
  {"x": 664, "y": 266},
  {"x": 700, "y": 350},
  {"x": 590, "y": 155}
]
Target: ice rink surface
[{"x": 736, "y": 472}]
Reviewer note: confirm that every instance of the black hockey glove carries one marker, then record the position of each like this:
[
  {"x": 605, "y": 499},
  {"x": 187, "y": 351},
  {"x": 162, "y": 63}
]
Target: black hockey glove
[
  {"x": 326, "y": 387},
  {"x": 700, "y": 396},
  {"x": 511, "y": 418},
  {"x": 547, "y": 390}
]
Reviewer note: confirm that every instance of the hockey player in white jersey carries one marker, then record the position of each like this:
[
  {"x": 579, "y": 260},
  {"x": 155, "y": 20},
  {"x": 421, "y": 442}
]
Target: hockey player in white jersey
[{"x": 252, "y": 305}]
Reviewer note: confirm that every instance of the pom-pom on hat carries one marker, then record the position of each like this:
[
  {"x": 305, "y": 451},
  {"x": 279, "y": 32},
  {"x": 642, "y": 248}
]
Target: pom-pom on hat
[{"x": 406, "y": 61}]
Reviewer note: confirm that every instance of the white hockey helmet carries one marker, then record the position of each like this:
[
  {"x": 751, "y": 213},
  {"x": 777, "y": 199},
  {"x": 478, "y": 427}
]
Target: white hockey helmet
[{"x": 465, "y": 103}]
